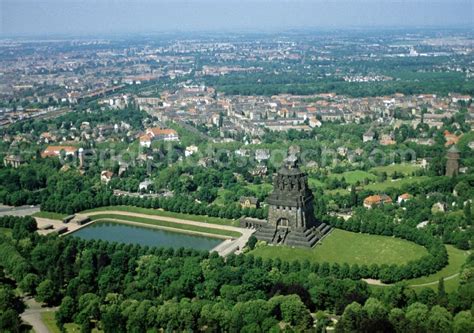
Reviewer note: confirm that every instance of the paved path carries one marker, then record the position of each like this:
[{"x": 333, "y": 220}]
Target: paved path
[
  {"x": 18, "y": 211},
  {"x": 434, "y": 282},
  {"x": 146, "y": 225},
  {"x": 42, "y": 222},
  {"x": 223, "y": 249},
  {"x": 380, "y": 283},
  {"x": 32, "y": 315},
  {"x": 169, "y": 219}
]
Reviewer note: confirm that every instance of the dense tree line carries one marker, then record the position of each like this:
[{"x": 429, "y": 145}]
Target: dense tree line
[{"x": 374, "y": 316}]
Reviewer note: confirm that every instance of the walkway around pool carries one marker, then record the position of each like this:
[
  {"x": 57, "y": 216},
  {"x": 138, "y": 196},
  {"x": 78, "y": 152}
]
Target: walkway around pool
[{"x": 225, "y": 248}]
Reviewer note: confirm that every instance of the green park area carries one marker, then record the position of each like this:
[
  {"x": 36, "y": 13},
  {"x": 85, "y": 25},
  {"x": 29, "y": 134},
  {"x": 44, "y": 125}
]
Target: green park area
[
  {"x": 404, "y": 168},
  {"x": 396, "y": 183},
  {"x": 348, "y": 247},
  {"x": 166, "y": 224},
  {"x": 353, "y": 177},
  {"x": 264, "y": 187}
]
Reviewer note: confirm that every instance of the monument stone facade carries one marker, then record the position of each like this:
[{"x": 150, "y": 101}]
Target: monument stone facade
[{"x": 291, "y": 219}]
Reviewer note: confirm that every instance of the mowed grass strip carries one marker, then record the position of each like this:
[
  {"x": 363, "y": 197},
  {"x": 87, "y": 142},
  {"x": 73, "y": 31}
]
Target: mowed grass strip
[
  {"x": 159, "y": 212},
  {"x": 348, "y": 247},
  {"x": 187, "y": 227}
]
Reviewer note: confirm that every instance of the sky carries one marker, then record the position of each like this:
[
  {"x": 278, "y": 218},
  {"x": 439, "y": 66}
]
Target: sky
[{"x": 65, "y": 17}]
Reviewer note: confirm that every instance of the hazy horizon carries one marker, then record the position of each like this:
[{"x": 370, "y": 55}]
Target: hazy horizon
[{"x": 86, "y": 17}]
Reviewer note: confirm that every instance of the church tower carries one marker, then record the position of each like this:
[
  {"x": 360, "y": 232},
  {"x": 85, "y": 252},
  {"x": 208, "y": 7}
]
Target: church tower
[{"x": 452, "y": 163}]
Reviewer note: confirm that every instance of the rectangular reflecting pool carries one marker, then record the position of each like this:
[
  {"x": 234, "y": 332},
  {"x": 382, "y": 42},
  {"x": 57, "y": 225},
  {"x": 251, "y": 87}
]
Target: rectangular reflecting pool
[{"x": 133, "y": 234}]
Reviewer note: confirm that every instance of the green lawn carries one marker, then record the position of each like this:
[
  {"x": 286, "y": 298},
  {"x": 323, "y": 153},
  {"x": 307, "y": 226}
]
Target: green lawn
[
  {"x": 354, "y": 248},
  {"x": 383, "y": 186},
  {"x": 352, "y": 177},
  {"x": 456, "y": 260},
  {"x": 168, "y": 224},
  {"x": 159, "y": 212},
  {"x": 405, "y": 168},
  {"x": 50, "y": 215}
]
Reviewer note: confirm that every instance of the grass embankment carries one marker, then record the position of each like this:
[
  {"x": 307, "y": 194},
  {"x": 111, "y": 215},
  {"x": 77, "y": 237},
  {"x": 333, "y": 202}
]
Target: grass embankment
[
  {"x": 159, "y": 212},
  {"x": 50, "y": 215},
  {"x": 167, "y": 224},
  {"x": 348, "y": 247}
]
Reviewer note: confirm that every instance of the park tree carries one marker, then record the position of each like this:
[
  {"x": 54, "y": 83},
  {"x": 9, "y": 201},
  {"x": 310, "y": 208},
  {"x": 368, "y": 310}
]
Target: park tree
[
  {"x": 351, "y": 319},
  {"x": 442, "y": 296},
  {"x": 10, "y": 307},
  {"x": 417, "y": 317},
  {"x": 112, "y": 320},
  {"x": 10, "y": 321},
  {"x": 89, "y": 309},
  {"x": 252, "y": 242},
  {"x": 294, "y": 312},
  {"x": 46, "y": 292},
  {"x": 463, "y": 322},
  {"x": 439, "y": 320},
  {"x": 427, "y": 296},
  {"x": 468, "y": 213},
  {"x": 375, "y": 316},
  {"x": 29, "y": 283},
  {"x": 398, "y": 321},
  {"x": 66, "y": 311}
]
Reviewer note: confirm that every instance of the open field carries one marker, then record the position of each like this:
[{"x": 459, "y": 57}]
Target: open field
[
  {"x": 383, "y": 186},
  {"x": 353, "y": 248},
  {"x": 159, "y": 212},
  {"x": 352, "y": 177},
  {"x": 405, "y": 168},
  {"x": 167, "y": 224},
  {"x": 50, "y": 215}
]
